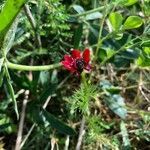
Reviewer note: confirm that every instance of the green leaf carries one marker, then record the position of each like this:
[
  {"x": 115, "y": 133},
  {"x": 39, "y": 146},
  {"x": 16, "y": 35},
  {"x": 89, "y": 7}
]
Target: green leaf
[
  {"x": 132, "y": 22},
  {"x": 93, "y": 16},
  {"x": 3, "y": 127},
  {"x": 116, "y": 103},
  {"x": 144, "y": 58},
  {"x": 6, "y": 124},
  {"x": 115, "y": 19},
  {"x": 44, "y": 77},
  {"x": 118, "y": 36},
  {"x": 8, "y": 14},
  {"x": 9, "y": 37},
  {"x": 125, "y": 136},
  {"x": 113, "y": 99},
  {"x": 48, "y": 91},
  {"x": 44, "y": 118},
  {"x": 129, "y": 2},
  {"x": 147, "y": 50},
  {"x": 78, "y": 35},
  {"x": 145, "y": 43},
  {"x": 54, "y": 77},
  {"x": 107, "y": 86},
  {"x": 11, "y": 91},
  {"x": 1, "y": 63},
  {"x": 57, "y": 124},
  {"x": 78, "y": 8},
  {"x": 2, "y": 72},
  {"x": 12, "y": 94},
  {"x": 35, "y": 115},
  {"x": 109, "y": 52}
]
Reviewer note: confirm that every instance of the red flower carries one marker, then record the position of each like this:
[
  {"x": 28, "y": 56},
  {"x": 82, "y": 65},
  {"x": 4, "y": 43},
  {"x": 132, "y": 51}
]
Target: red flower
[{"x": 77, "y": 61}]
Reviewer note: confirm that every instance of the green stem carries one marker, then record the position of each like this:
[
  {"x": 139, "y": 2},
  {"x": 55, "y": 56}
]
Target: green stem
[
  {"x": 93, "y": 10},
  {"x": 100, "y": 42},
  {"x": 84, "y": 79},
  {"x": 100, "y": 34},
  {"x": 123, "y": 48},
  {"x": 32, "y": 68}
]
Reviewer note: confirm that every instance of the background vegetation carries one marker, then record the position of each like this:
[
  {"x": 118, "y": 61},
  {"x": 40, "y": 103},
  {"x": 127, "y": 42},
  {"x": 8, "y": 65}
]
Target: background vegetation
[{"x": 43, "y": 106}]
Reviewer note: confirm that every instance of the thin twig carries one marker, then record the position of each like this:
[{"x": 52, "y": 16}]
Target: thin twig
[
  {"x": 144, "y": 95},
  {"x": 53, "y": 142},
  {"x": 33, "y": 24},
  {"x": 21, "y": 123},
  {"x": 140, "y": 88},
  {"x": 81, "y": 134},
  {"x": 67, "y": 142},
  {"x": 27, "y": 136},
  {"x": 29, "y": 15},
  {"x": 33, "y": 126}
]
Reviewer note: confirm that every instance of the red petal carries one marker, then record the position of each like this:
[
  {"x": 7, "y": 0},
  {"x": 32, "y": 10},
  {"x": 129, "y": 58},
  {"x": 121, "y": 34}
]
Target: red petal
[
  {"x": 68, "y": 66},
  {"x": 86, "y": 55},
  {"x": 76, "y": 54},
  {"x": 68, "y": 58}
]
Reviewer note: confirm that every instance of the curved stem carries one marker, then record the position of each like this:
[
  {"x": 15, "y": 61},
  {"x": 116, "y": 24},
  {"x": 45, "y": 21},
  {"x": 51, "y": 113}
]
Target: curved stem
[{"x": 32, "y": 68}]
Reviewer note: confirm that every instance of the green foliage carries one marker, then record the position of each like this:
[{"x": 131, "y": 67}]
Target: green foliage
[
  {"x": 125, "y": 136},
  {"x": 6, "y": 124},
  {"x": 95, "y": 134},
  {"x": 132, "y": 22},
  {"x": 93, "y": 16},
  {"x": 79, "y": 9},
  {"x": 81, "y": 98},
  {"x": 1, "y": 63},
  {"x": 114, "y": 101},
  {"x": 54, "y": 26},
  {"x": 144, "y": 58},
  {"x": 117, "y": 34},
  {"x": 9, "y": 37},
  {"x": 96, "y": 127},
  {"x": 55, "y": 123},
  {"x": 12, "y": 95},
  {"x": 116, "y": 19},
  {"x": 116, "y": 104},
  {"x": 8, "y": 14},
  {"x": 55, "y": 20},
  {"x": 45, "y": 120},
  {"x": 129, "y": 2},
  {"x": 78, "y": 35}
]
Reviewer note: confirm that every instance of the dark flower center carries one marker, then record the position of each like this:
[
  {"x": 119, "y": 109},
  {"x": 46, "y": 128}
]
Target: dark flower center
[{"x": 80, "y": 64}]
